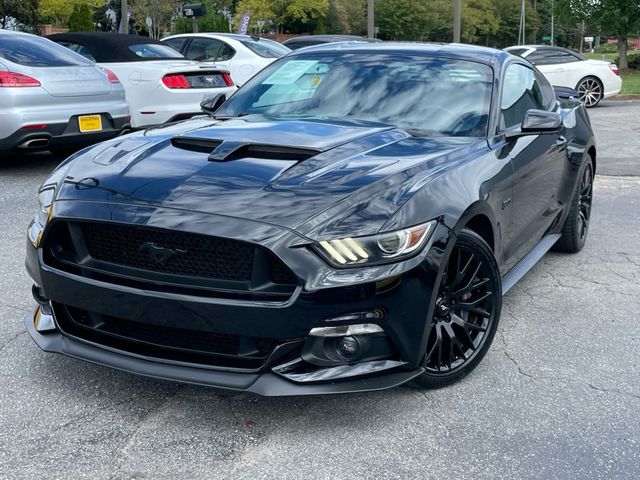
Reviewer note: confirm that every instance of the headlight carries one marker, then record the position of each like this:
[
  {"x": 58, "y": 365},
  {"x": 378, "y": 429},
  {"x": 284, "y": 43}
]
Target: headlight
[
  {"x": 45, "y": 199},
  {"x": 375, "y": 249}
]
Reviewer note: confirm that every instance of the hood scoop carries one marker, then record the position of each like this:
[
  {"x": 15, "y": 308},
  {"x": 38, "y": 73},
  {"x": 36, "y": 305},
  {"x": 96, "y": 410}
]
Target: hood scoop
[
  {"x": 226, "y": 151},
  {"x": 201, "y": 145}
]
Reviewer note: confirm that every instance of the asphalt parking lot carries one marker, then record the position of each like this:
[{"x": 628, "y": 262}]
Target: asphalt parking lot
[{"x": 558, "y": 395}]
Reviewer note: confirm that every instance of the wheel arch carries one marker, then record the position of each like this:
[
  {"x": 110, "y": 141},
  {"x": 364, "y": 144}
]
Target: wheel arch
[
  {"x": 592, "y": 153},
  {"x": 589, "y": 75},
  {"x": 479, "y": 218}
]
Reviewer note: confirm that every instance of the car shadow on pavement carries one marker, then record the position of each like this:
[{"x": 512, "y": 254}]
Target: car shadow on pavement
[{"x": 41, "y": 161}]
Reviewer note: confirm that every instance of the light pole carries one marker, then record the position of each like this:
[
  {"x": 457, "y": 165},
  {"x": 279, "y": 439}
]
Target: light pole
[
  {"x": 552, "y": 20},
  {"x": 124, "y": 17},
  {"x": 521, "y": 32},
  {"x": 370, "y": 19},
  {"x": 457, "y": 13}
]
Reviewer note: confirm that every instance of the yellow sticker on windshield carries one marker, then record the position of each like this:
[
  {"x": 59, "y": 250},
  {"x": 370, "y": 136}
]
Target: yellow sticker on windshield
[
  {"x": 289, "y": 72},
  {"x": 315, "y": 80}
]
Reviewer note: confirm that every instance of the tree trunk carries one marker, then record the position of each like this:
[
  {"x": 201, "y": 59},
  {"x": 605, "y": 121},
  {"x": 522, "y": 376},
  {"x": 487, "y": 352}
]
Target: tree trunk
[{"x": 622, "y": 52}]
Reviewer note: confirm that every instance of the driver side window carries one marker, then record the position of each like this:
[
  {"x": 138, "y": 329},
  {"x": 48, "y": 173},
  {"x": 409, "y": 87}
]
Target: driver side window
[{"x": 520, "y": 92}]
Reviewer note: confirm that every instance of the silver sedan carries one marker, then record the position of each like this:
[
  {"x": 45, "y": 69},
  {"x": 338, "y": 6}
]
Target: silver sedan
[{"x": 52, "y": 98}]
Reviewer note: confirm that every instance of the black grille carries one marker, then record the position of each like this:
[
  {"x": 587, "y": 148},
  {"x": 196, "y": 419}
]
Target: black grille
[
  {"x": 171, "y": 252},
  {"x": 168, "y": 260},
  {"x": 169, "y": 343}
]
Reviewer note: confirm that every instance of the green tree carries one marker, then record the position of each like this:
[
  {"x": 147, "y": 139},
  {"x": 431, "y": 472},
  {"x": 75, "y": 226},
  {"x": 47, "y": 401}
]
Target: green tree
[
  {"x": 102, "y": 21},
  {"x": 211, "y": 22},
  {"x": 406, "y": 19},
  {"x": 479, "y": 20},
  {"x": 620, "y": 18},
  {"x": 159, "y": 11},
  {"x": 24, "y": 12},
  {"x": 508, "y": 16},
  {"x": 59, "y": 11},
  {"x": 283, "y": 13},
  {"x": 81, "y": 19}
]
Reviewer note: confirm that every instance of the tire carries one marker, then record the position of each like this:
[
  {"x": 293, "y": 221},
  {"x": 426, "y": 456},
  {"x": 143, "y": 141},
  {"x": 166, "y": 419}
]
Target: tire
[
  {"x": 576, "y": 226},
  {"x": 466, "y": 314},
  {"x": 590, "y": 90}
]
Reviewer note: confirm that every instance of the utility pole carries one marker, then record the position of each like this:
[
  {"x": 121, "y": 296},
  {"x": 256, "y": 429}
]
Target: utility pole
[
  {"x": 457, "y": 14},
  {"x": 370, "y": 19},
  {"x": 521, "y": 33},
  {"x": 535, "y": 30},
  {"x": 124, "y": 17},
  {"x": 552, "y": 21}
]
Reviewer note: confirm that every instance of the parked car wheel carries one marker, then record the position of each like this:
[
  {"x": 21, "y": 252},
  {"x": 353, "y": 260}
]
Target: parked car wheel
[
  {"x": 576, "y": 226},
  {"x": 466, "y": 314},
  {"x": 590, "y": 90}
]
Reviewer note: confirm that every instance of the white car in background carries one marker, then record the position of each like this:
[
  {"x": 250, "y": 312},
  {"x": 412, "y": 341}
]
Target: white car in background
[
  {"x": 242, "y": 55},
  {"x": 161, "y": 85},
  {"x": 593, "y": 79}
]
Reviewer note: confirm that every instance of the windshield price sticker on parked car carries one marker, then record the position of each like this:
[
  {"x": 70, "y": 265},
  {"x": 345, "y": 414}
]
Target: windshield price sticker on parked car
[{"x": 290, "y": 72}]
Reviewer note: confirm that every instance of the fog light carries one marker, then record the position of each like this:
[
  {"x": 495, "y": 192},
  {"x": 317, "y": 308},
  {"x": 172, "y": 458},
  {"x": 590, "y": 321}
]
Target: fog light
[
  {"x": 349, "y": 346},
  {"x": 346, "y": 330}
]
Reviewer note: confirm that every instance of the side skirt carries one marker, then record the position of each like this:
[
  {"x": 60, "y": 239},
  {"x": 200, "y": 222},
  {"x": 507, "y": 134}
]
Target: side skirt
[{"x": 528, "y": 261}]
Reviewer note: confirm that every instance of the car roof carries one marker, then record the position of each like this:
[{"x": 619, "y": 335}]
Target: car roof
[
  {"x": 108, "y": 47},
  {"x": 538, "y": 47},
  {"x": 327, "y": 38},
  {"x": 451, "y": 50},
  {"x": 232, "y": 36}
]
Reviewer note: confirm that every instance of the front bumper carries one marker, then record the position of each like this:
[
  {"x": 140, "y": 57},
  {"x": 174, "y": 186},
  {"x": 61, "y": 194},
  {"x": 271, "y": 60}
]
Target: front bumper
[
  {"x": 403, "y": 292},
  {"x": 267, "y": 383}
]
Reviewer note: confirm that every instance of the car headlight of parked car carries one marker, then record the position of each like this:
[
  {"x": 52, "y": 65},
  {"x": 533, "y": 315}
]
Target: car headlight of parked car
[
  {"x": 376, "y": 249},
  {"x": 45, "y": 201},
  {"x": 46, "y": 196}
]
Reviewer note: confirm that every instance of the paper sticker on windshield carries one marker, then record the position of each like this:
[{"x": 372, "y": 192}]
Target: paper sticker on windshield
[{"x": 289, "y": 72}]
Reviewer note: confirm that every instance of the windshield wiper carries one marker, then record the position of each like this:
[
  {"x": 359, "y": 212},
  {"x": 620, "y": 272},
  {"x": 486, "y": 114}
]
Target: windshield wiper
[{"x": 227, "y": 117}]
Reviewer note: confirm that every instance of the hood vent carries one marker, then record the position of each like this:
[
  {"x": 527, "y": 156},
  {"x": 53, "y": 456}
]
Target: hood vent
[
  {"x": 201, "y": 145},
  {"x": 229, "y": 150},
  {"x": 268, "y": 152}
]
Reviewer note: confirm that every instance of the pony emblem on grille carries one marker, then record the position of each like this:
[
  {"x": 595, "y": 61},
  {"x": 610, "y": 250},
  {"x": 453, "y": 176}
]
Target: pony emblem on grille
[{"x": 158, "y": 253}]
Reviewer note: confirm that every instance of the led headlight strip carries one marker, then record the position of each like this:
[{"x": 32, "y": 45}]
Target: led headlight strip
[{"x": 376, "y": 248}]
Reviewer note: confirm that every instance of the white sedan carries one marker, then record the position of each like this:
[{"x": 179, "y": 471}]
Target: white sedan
[
  {"x": 160, "y": 84},
  {"x": 242, "y": 55},
  {"x": 593, "y": 79}
]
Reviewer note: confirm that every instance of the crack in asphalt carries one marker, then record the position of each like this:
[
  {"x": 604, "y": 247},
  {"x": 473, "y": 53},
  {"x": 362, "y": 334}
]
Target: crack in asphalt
[
  {"x": 123, "y": 452},
  {"x": 628, "y": 256},
  {"x": 22, "y": 309},
  {"x": 434, "y": 413},
  {"x": 524, "y": 373},
  {"x": 17, "y": 335}
]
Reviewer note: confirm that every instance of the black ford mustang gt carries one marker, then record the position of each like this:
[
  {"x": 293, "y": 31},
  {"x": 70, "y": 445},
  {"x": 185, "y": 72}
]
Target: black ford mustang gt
[{"x": 348, "y": 220}]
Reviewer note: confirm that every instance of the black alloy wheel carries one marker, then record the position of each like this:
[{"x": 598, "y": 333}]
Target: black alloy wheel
[
  {"x": 576, "y": 226},
  {"x": 466, "y": 313},
  {"x": 591, "y": 91}
]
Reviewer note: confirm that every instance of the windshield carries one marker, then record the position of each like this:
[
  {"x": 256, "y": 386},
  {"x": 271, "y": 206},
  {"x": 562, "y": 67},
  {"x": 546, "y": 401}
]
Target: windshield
[
  {"x": 266, "y": 48},
  {"x": 423, "y": 95},
  {"x": 152, "y": 50}
]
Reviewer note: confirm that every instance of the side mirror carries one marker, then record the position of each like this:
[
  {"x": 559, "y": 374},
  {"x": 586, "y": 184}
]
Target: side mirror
[
  {"x": 537, "y": 122},
  {"x": 211, "y": 103}
]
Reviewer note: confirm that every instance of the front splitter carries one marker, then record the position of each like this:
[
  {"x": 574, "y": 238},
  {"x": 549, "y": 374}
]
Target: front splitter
[{"x": 267, "y": 384}]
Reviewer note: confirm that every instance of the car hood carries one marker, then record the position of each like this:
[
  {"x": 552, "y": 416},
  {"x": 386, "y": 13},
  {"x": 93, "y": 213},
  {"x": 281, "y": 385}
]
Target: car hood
[{"x": 311, "y": 176}]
